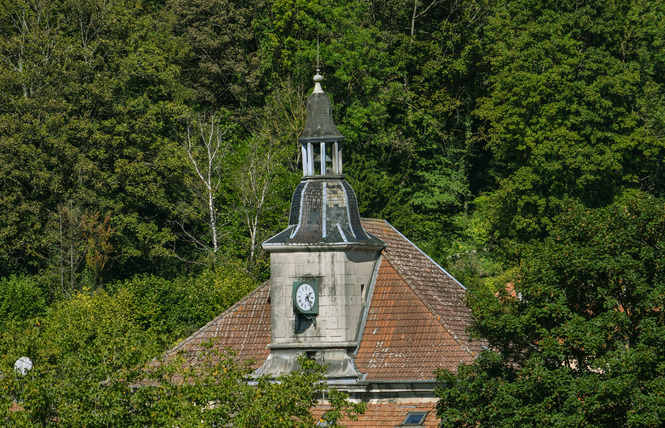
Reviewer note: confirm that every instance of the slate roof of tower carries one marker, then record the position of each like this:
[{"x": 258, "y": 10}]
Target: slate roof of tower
[
  {"x": 416, "y": 321},
  {"x": 324, "y": 211},
  {"x": 320, "y": 125}
]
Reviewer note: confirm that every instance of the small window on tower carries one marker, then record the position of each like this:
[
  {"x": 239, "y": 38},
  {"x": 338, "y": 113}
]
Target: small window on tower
[{"x": 414, "y": 419}]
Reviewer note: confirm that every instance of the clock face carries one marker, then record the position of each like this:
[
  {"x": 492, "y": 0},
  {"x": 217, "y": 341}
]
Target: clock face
[{"x": 305, "y": 297}]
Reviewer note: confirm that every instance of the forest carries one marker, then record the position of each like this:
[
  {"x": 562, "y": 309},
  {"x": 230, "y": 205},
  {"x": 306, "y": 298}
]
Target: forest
[{"x": 148, "y": 147}]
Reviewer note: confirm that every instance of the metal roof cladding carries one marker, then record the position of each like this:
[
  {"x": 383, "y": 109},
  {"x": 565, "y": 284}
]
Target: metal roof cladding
[
  {"x": 324, "y": 211},
  {"x": 320, "y": 125}
]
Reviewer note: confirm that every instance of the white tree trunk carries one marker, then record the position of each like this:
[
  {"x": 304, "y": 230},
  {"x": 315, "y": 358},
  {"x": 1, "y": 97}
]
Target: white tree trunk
[{"x": 205, "y": 151}]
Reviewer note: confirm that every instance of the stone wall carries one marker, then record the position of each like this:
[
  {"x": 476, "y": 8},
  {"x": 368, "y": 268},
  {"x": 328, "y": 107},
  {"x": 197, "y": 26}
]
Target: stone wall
[{"x": 343, "y": 278}]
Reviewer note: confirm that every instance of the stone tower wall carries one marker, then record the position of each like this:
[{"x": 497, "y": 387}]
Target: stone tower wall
[{"x": 343, "y": 278}]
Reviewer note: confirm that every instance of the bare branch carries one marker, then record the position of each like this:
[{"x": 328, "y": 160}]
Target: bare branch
[{"x": 210, "y": 149}]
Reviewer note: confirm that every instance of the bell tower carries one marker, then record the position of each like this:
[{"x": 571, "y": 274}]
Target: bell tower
[
  {"x": 322, "y": 263},
  {"x": 320, "y": 131}
]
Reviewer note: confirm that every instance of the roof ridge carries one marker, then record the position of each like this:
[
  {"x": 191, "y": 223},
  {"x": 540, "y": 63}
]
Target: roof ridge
[
  {"x": 419, "y": 295},
  {"x": 228, "y": 310},
  {"x": 417, "y": 248},
  {"x": 428, "y": 305}
]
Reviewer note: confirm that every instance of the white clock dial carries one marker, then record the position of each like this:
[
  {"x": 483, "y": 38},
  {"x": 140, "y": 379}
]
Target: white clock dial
[{"x": 305, "y": 297}]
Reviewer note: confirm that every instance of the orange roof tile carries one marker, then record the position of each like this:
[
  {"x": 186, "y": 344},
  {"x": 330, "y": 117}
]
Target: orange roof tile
[
  {"x": 402, "y": 339},
  {"x": 443, "y": 295},
  {"x": 386, "y": 415},
  {"x": 244, "y": 327}
]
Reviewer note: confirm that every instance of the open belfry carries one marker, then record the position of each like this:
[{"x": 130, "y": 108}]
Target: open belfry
[{"x": 352, "y": 293}]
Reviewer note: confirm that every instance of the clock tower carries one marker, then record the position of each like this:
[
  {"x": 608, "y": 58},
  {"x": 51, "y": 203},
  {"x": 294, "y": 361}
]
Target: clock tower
[{"x": 323, "y": 263}]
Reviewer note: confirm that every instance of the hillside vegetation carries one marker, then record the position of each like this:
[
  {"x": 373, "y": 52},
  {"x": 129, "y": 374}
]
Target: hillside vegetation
[{"x": 148, "y": 147}]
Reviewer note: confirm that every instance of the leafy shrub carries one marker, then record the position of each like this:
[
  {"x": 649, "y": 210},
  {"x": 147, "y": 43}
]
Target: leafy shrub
[
  {"x": 177, "y": 307},
  {"x": 20, "y": 299}
]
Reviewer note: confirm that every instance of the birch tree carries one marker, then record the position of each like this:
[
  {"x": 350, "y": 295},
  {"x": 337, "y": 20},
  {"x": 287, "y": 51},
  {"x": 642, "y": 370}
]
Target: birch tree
[
  {"x": 253, "y": 182},
  {"x": 418, "y": 13},
  {"x": 206, "y": 147},
  {"x": 266, "y": 166}
]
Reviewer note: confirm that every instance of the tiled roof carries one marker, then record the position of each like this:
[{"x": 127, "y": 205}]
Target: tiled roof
[
  {"x": 386, "y": 415},
  {"x": 415, "y": 324},
  {"x": 402, "y": 339},
  {"x": 244, "y": 328},
  {"x": 435, "y": 288}
]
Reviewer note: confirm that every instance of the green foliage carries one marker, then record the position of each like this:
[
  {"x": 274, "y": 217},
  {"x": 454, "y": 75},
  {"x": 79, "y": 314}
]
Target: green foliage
[
  {"x": 94, "y": 97},
  {"x": 523, "y": 104},
  {"x": 217, "y": 391},
  {"x": 566, "y": 110},
  {"x": 20, "y": 299},
  {"x": 581, "y": 339},
  {"x": 471, "y": 126},
  {"x": 405, "y": 105},
  {"x": 75, "y": 348},
  {"x": 88, "y": 351},
  {"x": 222, "y": 63},
  {"x": 175, "y": 308},
  {"x": 89, "y": 99}
]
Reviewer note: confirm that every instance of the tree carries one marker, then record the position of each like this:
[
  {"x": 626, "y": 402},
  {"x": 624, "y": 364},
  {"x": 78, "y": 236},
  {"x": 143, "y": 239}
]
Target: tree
[
  {"x": 219, "y": 390},
  {"x": 67, "y": 245},
  {"x": 265, "y": 168},
  {"x": 419, "y": 13},
  {"x": 224, "y": 64},
  {"x": 207, "y": 146},
  {"x": 90, "y": 103},
  {"x": 253, "y": 182},
  {"x": 567, "y": 112},
  {"x": 75, "y": 347},
  {"x": 581, "y": 339},
  {"x": 88, "y": 376},
  {"x": 178, "y": 307},
  {"x": 20, "y": 299}
]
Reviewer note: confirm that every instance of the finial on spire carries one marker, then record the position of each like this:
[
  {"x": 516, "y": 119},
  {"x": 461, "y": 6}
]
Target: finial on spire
[{"x": 317, "y": 77}]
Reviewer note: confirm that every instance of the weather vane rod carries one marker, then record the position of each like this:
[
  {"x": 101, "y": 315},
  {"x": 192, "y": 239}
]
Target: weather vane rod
[{"x": 317, "y": 48}]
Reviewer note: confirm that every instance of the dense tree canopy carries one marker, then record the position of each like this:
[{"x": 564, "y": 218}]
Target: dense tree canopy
[
  {"x": 570, "y": 108},
  {"x": 98, "y": 99},
  {"x": 575, "y": 328},
  {"x": 88, "y": 119},
  {"x": 502, "y": 137},
  {"x": 579, "y": 338},
  {"x": 88, "y": 371}
]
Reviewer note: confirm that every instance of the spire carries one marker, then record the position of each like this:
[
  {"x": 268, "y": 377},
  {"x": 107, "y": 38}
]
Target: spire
[
  {"x": 324, "y": 209},
  {"x": 320, "y": 126},
  {"x": 317, "y": 77}
]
